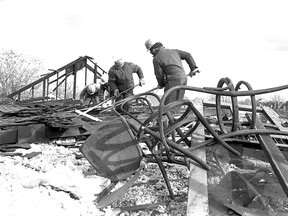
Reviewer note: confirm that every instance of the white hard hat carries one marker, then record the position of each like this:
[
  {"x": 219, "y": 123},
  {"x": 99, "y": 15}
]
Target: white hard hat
[
  {"x": 119, "y": 61},
  {"x": 116, "y": 58},
  {"x": 149, "y": 43},
  {"x": 91, "y": 89}
]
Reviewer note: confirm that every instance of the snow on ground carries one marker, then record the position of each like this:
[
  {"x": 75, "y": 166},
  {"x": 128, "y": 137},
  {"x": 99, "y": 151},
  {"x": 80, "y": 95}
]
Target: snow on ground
[{"x": 51, "y": 183}]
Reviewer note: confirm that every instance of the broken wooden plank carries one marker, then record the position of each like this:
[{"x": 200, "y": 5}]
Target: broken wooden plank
[
  {"x": 13, "y": 147},
  {"x": 277, "y": 160},
  {"x": 88, "y": 116},
  {"x": 7, "y": 108},
  {"x": 274, "y": 118},
  {"x": 198, "y": 190}
]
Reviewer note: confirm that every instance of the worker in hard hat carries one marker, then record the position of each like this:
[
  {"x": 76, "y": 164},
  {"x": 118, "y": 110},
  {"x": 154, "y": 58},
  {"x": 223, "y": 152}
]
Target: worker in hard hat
[
  {"x": 92, "y": 92},
  {"x": 120, "y": 78},
  {"x": 168, "y": 68},
  {"x": 104, "y": 87}
]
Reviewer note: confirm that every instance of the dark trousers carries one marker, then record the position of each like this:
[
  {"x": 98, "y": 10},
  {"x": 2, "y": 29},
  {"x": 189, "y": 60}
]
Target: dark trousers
[
  {"x": 178, "y": 94},
  {"x": 123, "y": 96}
]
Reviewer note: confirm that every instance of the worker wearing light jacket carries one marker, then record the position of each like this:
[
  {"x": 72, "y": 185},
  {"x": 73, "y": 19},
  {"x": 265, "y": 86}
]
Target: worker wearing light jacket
[
  {"x": 168, "y": 68},
  {"x": 121, "y": 77}
]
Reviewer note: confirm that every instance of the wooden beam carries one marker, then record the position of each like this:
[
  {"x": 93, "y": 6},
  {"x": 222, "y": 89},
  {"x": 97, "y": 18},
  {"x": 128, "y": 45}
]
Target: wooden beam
[
  {"x": 88, "y": 116},
  {"x": 57, "y": 84},
  {"x": 44, "y": 89},
  {"x": 65, "y": 88},
  {"x": 60, "y": 77},
  {"x": 93, "y": 70},
  {"x": 74, "y": 82},
  {"x": 274, "y": 117},
  {"x": 45, "y": 77},
  {"x": 94, "y": 63},
  {"x": 85, "y": 80},
  {"x": 198, "y": 190}
]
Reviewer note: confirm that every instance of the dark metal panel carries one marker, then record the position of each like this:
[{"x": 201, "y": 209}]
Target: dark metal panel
[
  {"x": 32, "y": 134},
  {"x": 8, "y": 136},
  {"x": 274, "y": 155}
]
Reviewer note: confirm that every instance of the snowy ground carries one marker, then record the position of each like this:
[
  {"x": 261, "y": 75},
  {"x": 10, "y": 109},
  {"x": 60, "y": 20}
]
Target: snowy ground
[
  {"x": 51, "y": 183},
  {"x": 55, "y": 180},
  {"x": 59, "y": 181}
]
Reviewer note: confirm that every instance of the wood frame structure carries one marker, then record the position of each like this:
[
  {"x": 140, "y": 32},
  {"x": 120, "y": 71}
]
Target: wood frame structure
[{"x": 59, "y": 77}]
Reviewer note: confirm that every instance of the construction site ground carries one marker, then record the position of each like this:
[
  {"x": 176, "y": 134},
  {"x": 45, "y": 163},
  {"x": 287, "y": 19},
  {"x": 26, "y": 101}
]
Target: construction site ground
[
  {"x": 43, "y": 172},
  {"x": 55, "y": 179}
]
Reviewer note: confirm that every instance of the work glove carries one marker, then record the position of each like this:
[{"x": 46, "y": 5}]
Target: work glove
[
  {"x": 103, "y": 81},
  {"x": 141, "y": 82},
  {"x": 116, "y": 92},
  {"x": 193, "y": 73}
]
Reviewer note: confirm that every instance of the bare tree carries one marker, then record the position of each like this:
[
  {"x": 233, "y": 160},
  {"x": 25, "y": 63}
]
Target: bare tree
[
  {"x": 16, "y": 71},
  {"x": 277, "y": 98}
]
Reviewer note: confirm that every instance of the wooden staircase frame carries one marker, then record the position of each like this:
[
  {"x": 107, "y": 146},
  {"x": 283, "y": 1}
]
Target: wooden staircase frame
[{"x": 60, "y": 77}]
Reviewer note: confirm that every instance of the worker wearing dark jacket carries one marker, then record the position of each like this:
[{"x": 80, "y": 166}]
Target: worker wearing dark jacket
[
  {"x": 168, "y": 68},
  {"x": 121, "y": 78},
  {"x": 93, "y": 92}
]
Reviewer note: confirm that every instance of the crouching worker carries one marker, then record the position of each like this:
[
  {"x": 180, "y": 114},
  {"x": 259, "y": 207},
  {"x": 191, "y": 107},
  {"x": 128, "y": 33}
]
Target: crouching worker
[{"x": 92, "y": 92}]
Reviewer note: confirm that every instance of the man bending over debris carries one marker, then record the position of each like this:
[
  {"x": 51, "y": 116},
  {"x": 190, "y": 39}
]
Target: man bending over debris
[
  {"x": 93, "y": 92},
  {"x": 121, "y": 78}
]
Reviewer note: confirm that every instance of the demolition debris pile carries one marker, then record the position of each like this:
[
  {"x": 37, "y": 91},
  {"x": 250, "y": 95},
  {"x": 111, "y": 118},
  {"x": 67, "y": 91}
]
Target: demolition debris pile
[
  {"x": 57, "y": 180},
  {"x": 145, "y": 162}
]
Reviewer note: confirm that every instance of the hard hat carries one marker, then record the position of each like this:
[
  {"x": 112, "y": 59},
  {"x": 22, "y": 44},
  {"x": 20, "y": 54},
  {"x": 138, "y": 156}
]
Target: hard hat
[
  {"x": 116, "y": 58},
  {"x": 91, "y": 89},
  {"x": 104, "y": 78},
  {"x": 118, "y": 61},
  {"x": 149, "y": 43}
]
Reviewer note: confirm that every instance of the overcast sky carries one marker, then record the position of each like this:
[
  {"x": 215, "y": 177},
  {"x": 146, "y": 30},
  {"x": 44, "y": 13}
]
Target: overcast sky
[{"x": 243, "y": 40}]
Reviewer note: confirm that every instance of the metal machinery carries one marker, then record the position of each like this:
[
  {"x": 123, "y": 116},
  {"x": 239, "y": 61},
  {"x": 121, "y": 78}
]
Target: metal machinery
[{"x": 166, "y": 130}]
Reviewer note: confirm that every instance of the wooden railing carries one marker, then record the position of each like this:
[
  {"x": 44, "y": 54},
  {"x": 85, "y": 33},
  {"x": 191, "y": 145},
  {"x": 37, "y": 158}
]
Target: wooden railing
[{"x": 58, "y": 78}]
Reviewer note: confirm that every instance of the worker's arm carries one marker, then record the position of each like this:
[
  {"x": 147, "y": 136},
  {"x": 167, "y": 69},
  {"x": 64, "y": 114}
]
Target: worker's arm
[
  {"x": 188, "y": 58},
  {"x": 82, "y": 95},
  {"x": 112, "y": 80}
]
